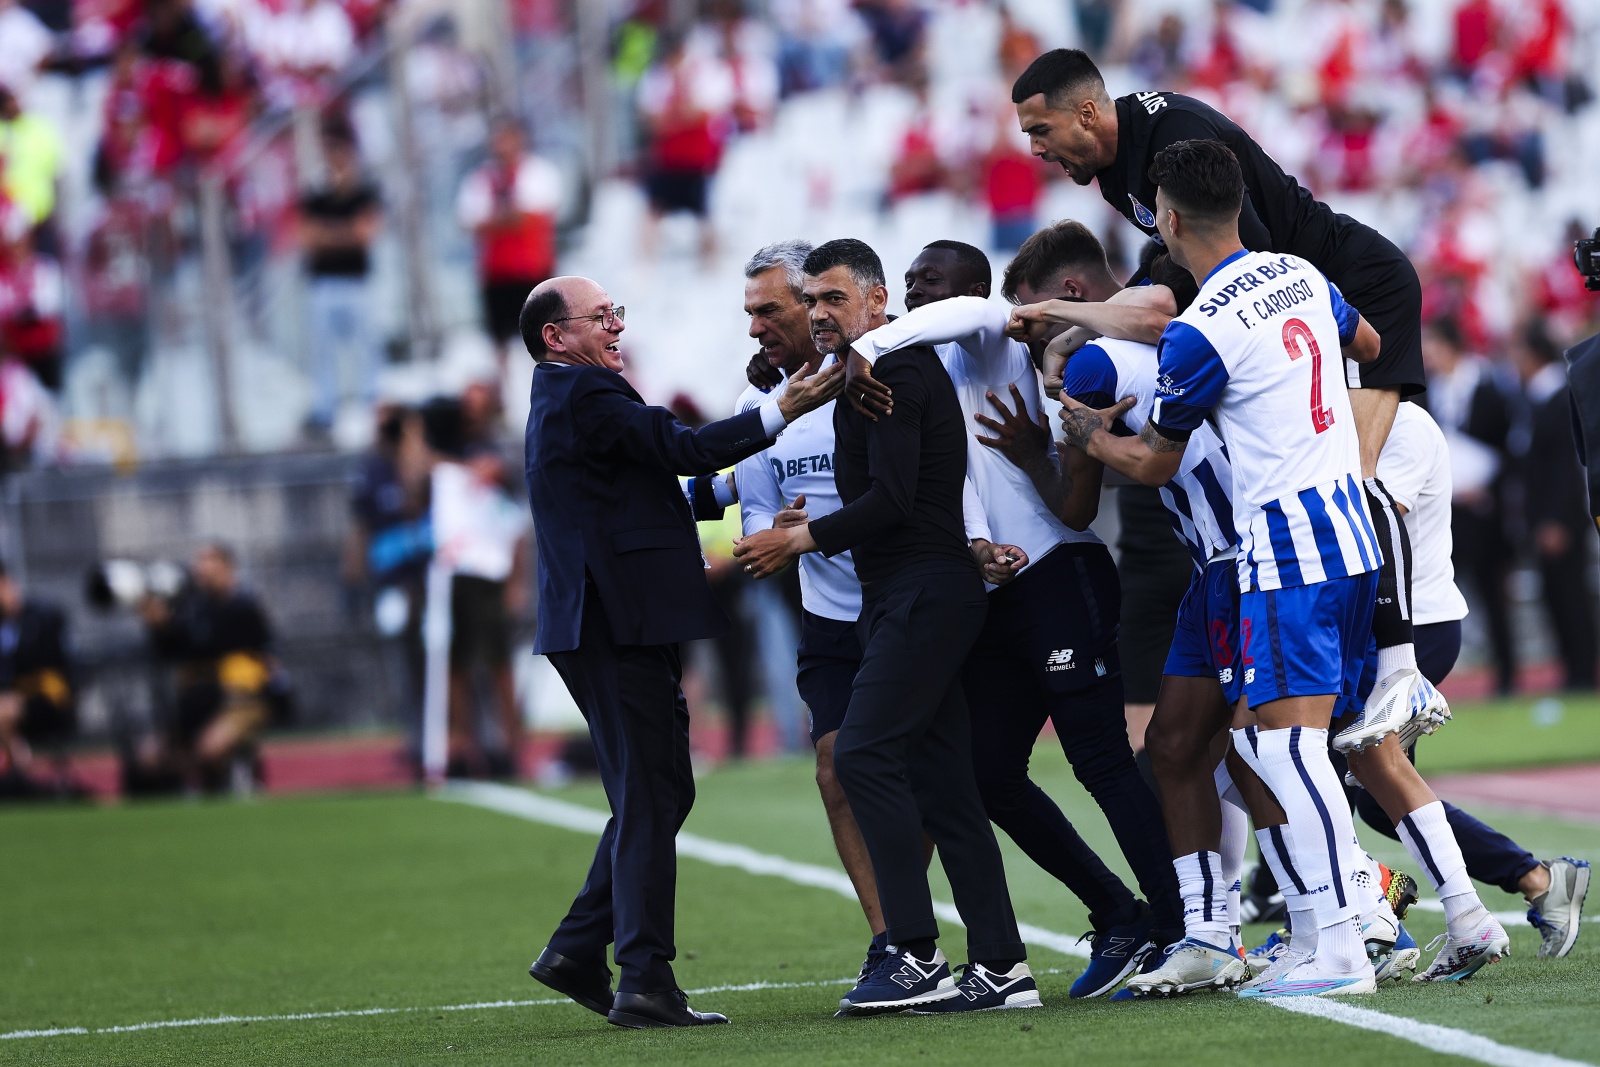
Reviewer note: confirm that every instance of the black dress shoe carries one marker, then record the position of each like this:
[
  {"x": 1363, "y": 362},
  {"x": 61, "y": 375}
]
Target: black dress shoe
[
  {"x": 643, "y": 1011},
  {"x": 589, "y": 985}
]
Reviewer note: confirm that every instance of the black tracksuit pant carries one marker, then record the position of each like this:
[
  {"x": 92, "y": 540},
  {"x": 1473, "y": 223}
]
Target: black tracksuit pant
[
  {"x": 904, "y": 758},
  {"x": 1048, "y": 651},
  {"x": 631, "y": 698}
]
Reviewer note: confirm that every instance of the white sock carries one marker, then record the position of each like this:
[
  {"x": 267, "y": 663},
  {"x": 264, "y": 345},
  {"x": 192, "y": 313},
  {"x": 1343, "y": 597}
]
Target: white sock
[
  {"x": 1294, "y": 764},
  {"x": 1273, "y": 841},
  {"x": 1340, "y": 948},
  {"x": 1427, "y": 836},
  {"x": 1205, "y": 897},
  {"x": 1396, "y": 657},
  {"x": 1235, "y": 838}
]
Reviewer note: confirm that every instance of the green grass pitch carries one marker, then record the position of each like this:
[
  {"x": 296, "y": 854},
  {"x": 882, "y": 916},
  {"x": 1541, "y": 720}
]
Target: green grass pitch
[{"x": 181, "y": 911}]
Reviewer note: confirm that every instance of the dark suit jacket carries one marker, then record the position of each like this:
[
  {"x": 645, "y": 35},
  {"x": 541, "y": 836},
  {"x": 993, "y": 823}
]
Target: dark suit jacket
[{"x": 607, "y": 506}]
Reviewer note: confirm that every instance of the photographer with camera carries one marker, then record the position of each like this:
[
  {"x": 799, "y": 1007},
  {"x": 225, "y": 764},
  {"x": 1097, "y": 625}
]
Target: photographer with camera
[
  {"x": 36, "y": 696},
  {"x": 216, "y": 637}
]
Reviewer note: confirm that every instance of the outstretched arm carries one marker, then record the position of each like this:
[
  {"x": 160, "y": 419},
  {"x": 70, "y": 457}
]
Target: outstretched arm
[{"x": 1138, "y": 314}]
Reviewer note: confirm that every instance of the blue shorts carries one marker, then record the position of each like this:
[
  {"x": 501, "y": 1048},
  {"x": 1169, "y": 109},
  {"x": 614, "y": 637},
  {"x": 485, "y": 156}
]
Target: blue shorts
[
  {"x": 830, "y": 655},
  {"x": 1205, "y": 641},
  {"x": 1310, "y": 640}
]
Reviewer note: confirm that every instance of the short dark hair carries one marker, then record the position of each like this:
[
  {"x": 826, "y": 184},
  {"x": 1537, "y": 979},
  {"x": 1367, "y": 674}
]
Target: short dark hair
[
  {"x": 1058, "y": 247},
  {"x": 969, "y": 259},
  {"x": 538, "y": 311},
  {"x": 1202, "y": 177},
  {"x": 1536, "y": 337},
  {"x": 855, "y": 256},
  {"x": 1059, "y": 73},
  {"x": 222, "y": 550},
  {"x": 1165, "y": 272}
]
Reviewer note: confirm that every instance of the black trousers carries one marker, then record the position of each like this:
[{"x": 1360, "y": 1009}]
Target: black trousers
[
  {"x": 631, "y": 698},
  {"x": 904, "y": 758},
  {"x": 1482, "y": 554},
  {"x": 1570, "y": 608},
  {"x": 1048, "y": 651}
]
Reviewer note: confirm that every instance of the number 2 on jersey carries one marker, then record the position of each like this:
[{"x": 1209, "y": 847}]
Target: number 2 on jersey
[{"x": 1297, "y": 339}]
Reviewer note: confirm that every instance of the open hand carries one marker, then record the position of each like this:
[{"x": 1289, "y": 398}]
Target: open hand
[
  {"x": 1018, "y": 438},
  {"x": 809, "y": 389},
  {"x": 766, "y": 552},
  {"x": 866, "y": 394},
  {"x": 1079, "y": 422}
]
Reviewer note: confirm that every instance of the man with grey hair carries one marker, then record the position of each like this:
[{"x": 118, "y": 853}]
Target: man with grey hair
[{"x": 785, "y": 485}]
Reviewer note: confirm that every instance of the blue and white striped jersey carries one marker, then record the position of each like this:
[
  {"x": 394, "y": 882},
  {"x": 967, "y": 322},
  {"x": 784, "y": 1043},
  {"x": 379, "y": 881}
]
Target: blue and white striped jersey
[
  {"x": 1259, "y": 352},
  {"x": 1198, "y": 498}
]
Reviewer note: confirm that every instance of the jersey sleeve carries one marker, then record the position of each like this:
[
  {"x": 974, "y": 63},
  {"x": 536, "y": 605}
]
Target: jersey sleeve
[
  {"x": 1189, "y": 382},
  {"x": 973, "y": 517},
  {"x": 1091, "y": 377},
  {"x": 976, "y": 324},
  {"x": 1346, "y": 316}
]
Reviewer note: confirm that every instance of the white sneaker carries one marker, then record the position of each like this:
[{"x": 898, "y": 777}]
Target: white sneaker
[
  {"x": 1395, "y": 703},
  {"x": 1401, "y": 960},
  {"x": 1463, "y": 957},
  {"x": 1191, "y": 965},
  {"x": 1435, "y": 713},
  {"x": 1307, "y": 979},
  {"x": 1558, "y": 913},
  {"x": 1282, "y": 964}
]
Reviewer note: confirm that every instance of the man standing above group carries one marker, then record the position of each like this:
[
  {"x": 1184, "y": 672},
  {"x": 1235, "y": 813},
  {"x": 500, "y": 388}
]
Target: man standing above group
[
  {"x": 904, "y": 752},
  {"x": 621, "y": 585},
  {"x": 1070, "y": 119}
]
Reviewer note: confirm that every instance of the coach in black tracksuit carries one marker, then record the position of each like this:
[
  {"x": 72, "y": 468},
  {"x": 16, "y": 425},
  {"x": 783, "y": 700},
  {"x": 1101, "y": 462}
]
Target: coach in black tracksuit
[{"x": 904, "y": 753}]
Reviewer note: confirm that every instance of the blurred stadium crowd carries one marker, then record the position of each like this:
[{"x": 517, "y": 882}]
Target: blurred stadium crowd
[{"x": 266, "y": 226}]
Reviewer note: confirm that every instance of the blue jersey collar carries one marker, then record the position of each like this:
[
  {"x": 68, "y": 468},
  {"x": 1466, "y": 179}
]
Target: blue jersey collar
[{"x": 1224, "y": 263}]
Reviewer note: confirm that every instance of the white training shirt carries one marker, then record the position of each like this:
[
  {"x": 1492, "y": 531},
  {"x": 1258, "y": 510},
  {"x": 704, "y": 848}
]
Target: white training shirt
[
  {"x": 800, "y": 461},
  {"x": 1199, "y": 497},
  {"x": 1259, "y": 352},
  {"x": 968, "y": 333},
  {"x": 1415, "y": 468}
]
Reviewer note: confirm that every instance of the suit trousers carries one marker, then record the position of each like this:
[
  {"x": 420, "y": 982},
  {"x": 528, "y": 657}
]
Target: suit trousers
[
  {"x": 904, "y": 758},
  {"x": 631, "y": 697}
]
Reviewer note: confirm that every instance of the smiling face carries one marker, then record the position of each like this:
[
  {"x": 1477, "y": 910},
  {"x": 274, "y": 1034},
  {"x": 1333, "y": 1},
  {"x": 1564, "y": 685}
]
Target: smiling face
[
  {"x": 936, "y": 274},
  {"x": 778, "y": 320},
  {"x": 1066, "y": 137},
  {"x": 840, "y": 310},
  {"x": 580, "y": 338}
]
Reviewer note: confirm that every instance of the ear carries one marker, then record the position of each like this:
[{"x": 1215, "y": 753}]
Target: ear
[
  {"x": 877, "y": 298},
  {"x": 1088, "y": 114},
  {"x": 979, "y": 289},
  {"x": 552, "y": 338},
  {"x": 1071, "y": 289}
]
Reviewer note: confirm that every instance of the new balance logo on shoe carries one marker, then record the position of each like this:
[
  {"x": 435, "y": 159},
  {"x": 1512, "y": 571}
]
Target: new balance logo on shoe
[
  {"x": 1059, "y": 660},
  {"x": 909, "y": 974},
  {"x": 1118, "y": 946}
]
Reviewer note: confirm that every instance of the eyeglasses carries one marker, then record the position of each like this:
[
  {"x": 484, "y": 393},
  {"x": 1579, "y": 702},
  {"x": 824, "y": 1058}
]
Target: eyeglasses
[{"x": 608, "y": 317}]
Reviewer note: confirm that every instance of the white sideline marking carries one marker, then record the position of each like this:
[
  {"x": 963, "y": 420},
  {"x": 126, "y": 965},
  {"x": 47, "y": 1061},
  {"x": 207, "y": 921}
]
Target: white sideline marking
[
  {"x": 552, "y": 812},
  {"x": 1430, "y": 1036},
  {"x": 512, "y": 801},
  {"x": 221, "y": 1020}
]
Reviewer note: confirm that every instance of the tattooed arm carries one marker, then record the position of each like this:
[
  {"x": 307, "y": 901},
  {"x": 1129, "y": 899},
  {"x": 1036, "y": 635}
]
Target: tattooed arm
[{"x": 1152, "y": 458}]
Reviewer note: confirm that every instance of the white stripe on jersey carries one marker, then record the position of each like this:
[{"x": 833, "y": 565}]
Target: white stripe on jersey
[
  {"x": 1199, "y": 497},
  {"x": 1259, "y": 353}
]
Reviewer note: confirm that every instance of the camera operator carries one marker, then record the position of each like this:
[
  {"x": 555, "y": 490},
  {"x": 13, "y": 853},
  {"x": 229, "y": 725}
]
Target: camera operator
[
  {"x": 216, "y": 637},
  {"x": 36, "y": 697}
]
